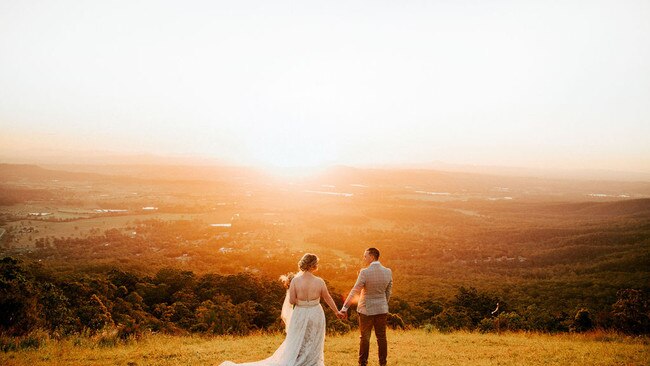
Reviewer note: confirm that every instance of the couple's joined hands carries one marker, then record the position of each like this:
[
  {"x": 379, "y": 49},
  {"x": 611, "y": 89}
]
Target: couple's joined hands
[{"x": 342, "y": 314}]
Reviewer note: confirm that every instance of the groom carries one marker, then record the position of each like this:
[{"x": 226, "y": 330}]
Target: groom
[{"x": 374, "y": 285}]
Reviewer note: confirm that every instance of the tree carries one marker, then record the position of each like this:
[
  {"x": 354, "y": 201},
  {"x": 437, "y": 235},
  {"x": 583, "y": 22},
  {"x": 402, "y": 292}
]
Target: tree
[
  {"x": 221, "y": 316},
  {"x": 19, "y": 308},
  {"x": 474, "y": 304},
  {"x": 582, "y": 321},
  {"x": 452, "y": 318},
  {"x": 631, "y": 312},
  {"x": 56, "y": 310},
  {"x": 94, "y": 314}
]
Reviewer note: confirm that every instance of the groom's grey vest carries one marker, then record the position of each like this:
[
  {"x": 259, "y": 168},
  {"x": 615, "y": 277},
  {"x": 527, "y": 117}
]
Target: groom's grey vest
[{"x": 374, "y": 284}]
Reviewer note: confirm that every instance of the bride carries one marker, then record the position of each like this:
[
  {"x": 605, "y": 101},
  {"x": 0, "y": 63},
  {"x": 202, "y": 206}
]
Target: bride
[{"x": 305, "y": 323}]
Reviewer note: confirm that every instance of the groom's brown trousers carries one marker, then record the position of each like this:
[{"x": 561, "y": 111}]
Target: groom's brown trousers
[{"x": 366, "y": 323}]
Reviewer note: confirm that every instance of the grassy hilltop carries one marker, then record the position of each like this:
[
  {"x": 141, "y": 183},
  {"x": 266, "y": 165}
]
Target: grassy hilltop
[{"x": 406, "y": 348}]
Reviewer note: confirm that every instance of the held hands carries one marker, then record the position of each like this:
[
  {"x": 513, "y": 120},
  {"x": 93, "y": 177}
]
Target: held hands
[{"x": 342, "y": 314}]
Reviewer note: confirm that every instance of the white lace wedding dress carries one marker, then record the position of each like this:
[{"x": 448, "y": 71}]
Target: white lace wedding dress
[{"x": 305, "y": 341}]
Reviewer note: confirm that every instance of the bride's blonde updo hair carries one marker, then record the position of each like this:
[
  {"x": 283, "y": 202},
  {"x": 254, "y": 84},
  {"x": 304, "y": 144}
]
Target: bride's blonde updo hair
[{"x": 308, "y": 262}]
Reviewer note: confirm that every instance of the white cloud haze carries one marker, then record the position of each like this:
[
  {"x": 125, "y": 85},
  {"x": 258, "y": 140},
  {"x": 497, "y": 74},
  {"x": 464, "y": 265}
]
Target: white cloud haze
[{"x": 530, "y": 83}]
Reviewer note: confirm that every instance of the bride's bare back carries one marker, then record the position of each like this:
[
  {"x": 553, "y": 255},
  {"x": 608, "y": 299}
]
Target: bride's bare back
[{"x": 308, "y": 287}]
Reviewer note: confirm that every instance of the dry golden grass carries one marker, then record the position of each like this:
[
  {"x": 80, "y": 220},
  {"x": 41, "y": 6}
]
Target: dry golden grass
[{"x": 406, "y": 348}]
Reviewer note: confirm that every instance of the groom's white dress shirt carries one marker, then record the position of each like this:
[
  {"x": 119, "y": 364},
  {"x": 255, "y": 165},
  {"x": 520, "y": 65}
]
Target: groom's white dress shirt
[{"x": 374, "y": 286}]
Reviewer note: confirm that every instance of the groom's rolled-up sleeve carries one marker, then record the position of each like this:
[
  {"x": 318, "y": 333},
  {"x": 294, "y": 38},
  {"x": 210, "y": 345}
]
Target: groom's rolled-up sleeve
[{"x": 361, "y": 282}]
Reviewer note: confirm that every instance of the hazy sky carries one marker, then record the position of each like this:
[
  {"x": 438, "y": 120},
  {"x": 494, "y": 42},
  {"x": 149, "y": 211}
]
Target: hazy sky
[{"x": 514, "y": 83}]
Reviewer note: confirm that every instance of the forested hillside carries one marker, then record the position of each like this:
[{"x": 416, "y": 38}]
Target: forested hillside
[{"x": 87, "y": 250}]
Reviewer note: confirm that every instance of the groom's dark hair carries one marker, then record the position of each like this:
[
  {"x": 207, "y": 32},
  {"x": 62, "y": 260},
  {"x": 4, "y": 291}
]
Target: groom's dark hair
[{"x": 373, "y": 252}]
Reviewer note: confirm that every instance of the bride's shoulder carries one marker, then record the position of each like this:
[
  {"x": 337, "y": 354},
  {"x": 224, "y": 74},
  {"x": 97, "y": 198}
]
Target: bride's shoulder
[
  {"x": 316, "y": 278},
  {"x": 296, "y": 279}
]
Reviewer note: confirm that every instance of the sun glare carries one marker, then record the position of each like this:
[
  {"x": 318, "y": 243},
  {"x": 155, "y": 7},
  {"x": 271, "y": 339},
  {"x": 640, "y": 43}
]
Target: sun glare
[
  {"x": 289, "y": 155},
  {"x": 292, "y": 172}
]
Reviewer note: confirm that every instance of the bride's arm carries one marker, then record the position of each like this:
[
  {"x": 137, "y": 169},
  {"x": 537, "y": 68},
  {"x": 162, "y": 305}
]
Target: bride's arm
[
  {"x": 325, "y": 294},
  {"x": 293, "y": 295}
]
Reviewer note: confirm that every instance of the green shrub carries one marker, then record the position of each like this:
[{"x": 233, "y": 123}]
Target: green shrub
[{"x": 582, "y": 321}]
